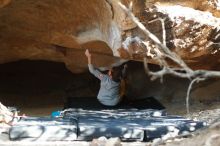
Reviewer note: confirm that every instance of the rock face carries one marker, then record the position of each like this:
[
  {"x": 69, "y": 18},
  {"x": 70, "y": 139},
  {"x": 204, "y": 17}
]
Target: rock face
[
  {"x": 190, "y": 31},
  {"x": 60, "y": 30}
]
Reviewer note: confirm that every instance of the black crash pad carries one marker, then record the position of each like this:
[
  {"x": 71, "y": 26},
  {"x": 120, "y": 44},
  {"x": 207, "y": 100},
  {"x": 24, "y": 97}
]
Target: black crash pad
[
  {"x": 44, "y": 129},
  {"x": 133, "y": 124},
  {"x": 127, "y": 124}
]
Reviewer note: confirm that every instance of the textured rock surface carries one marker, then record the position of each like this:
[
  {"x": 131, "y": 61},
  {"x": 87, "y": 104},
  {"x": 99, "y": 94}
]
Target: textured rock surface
[
  {"x": 191, "y": 31},
  {"x": 60, "y": 30}
]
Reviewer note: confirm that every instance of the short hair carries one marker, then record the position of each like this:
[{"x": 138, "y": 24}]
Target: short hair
[{"x": 116, "y": 74}]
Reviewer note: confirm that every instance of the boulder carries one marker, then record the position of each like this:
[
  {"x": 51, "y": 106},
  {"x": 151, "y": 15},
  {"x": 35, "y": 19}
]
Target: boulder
[{"x": 61, "y": 30}]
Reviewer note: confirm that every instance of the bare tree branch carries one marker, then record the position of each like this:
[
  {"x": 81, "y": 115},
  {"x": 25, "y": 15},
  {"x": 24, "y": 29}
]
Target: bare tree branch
[
  {"x": 163, "y": 28},
  {"x": 188, "y": 92},
  {"x": 173, "y": 56},
  {"x": 162, "y": 52}
]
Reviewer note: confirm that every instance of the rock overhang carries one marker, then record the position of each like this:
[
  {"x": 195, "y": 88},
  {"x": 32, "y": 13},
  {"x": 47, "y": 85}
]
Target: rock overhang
[{"x": 43, "y": 30}]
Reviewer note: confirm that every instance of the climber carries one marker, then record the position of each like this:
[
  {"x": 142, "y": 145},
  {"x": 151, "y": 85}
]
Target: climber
[{"x": 110, "y": 86}]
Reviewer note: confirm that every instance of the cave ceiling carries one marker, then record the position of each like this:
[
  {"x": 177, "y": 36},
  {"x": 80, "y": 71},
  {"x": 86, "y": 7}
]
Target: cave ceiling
[{"x": 61, "y": 30}]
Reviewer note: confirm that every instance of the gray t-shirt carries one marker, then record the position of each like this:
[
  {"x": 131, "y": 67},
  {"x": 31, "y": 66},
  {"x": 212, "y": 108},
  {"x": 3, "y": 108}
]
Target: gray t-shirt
[{"x": 109, "y": 92}]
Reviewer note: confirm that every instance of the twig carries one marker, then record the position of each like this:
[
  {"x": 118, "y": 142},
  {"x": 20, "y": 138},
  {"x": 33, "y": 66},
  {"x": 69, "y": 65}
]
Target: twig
[
  {"x": 163, "y": 28},
  {"x": 188, "y": 92}
]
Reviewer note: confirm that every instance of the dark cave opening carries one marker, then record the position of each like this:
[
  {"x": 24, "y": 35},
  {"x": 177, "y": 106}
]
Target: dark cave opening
[{"x": 32, "y": 85}]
